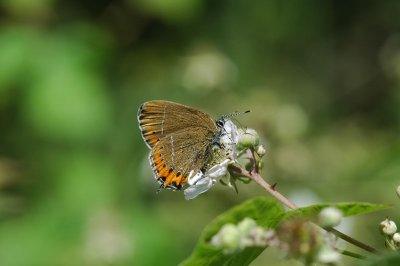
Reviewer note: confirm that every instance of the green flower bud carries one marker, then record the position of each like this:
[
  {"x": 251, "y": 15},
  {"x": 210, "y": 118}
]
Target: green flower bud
[
  {"x": 248, "y": 166},
  {"x": 248, "y": 138},
  {"x": 388, "y": 227},
  {"x": 230, "y": 238},
  {"x": 245, "y": 226},
  {"x": 330, "y": 217},
  {"x": 260, "y": 165}
]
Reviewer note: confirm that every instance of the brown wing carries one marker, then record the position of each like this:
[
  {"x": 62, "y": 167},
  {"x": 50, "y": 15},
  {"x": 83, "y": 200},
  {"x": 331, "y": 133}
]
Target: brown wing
[
  {"x": 157, "y": 119},
  {"x": 176, "y": 155}
]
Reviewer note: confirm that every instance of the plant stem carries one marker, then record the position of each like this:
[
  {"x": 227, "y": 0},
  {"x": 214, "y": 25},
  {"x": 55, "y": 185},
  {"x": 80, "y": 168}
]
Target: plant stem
[
  {"x": 259, "y": 180},
  {"x": 352, "y": 254},
  {"x": 352, "y": 240},
  {"x": 256, "y": 177}
]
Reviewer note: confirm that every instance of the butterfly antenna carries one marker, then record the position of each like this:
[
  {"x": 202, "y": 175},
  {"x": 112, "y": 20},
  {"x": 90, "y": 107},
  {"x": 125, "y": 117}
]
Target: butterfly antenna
[{"x": 236, "y": 113}]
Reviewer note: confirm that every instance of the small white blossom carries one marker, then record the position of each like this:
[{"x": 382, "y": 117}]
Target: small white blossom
[
  {"x": 398, "y": 191},
  {"x": 388, "y": 227}
]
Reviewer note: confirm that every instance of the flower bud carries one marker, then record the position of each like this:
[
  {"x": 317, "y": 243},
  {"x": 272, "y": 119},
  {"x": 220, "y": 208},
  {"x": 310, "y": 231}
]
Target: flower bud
[
  {"x": 245, "y": 226},
  {"x": 258, "y": 236},
  {"x": 388, "y": 227},
  {"x": 248, "y": 166},
  {"x": 398, "y": 191},
  {"x": 230, "y": 238},
  {"x": 396, "y": 238},
  {"x": 328, "y": 255},
  {"x": 260, "y": 150},
  {"x": 248, "y": 138},
  {"x": 260, "y": 165},
  {"x": 330, "y": 217}
]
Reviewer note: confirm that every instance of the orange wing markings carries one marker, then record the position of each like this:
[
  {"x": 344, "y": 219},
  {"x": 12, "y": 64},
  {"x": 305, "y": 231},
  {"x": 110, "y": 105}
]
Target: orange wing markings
[
  {"x": 150, "y": 137},
  {"x": 175, "y": 179},
  {"x": 166, "y": 174}
]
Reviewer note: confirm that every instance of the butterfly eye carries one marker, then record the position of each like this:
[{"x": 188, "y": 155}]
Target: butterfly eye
[{"x": 220, "y": 123}]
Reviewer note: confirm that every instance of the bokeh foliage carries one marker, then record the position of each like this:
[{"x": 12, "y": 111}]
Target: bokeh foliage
[{"x": 322, "y": 79}]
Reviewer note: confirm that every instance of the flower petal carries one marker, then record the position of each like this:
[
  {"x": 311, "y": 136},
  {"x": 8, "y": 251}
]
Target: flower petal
[
  {"x": 201, "y": 183},
  {"x": 193, "y": 180},
  {"x": 201, "y": 186},
  {"x": 218, "y": 170},
  {"x": 230, "y": 138}
]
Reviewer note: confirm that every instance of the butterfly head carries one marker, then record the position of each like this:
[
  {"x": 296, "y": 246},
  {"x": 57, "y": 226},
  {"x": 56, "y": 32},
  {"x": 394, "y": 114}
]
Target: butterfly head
[
  {"x": 220, "y": 122},
  {"x": 227, "y": 137}
]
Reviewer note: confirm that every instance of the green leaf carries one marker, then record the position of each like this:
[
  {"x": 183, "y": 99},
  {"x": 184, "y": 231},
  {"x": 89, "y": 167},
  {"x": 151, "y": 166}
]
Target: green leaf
[
  {"x": 266, "y": 212},
  {"x": 392, "y": 259},
  {"x": 347, "y": 208}
]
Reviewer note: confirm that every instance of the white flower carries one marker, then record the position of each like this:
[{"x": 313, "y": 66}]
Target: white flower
[
  {"x": 398, "y": 191},
  {"x": 200, "y": 183}
]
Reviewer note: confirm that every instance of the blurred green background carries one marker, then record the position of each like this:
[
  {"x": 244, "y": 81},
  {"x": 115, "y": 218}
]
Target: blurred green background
[{"x": 322, "y": 79}]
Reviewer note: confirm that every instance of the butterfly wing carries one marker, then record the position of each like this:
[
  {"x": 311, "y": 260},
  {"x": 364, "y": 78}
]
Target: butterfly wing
[
  {"x": 157, "y": 119},
  {"x": 181, "y": 155},
  {"x": 180, "y": 138}
]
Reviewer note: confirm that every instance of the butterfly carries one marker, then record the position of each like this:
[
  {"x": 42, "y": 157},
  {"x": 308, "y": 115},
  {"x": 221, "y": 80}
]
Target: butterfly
[{"x": 182, "y": 141}]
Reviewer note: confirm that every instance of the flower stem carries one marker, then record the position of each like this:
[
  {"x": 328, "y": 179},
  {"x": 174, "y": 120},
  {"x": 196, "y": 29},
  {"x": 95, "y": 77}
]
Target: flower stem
[
  {"x": 352, "y": 254},
  {"x": 256, "y": 177}
]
